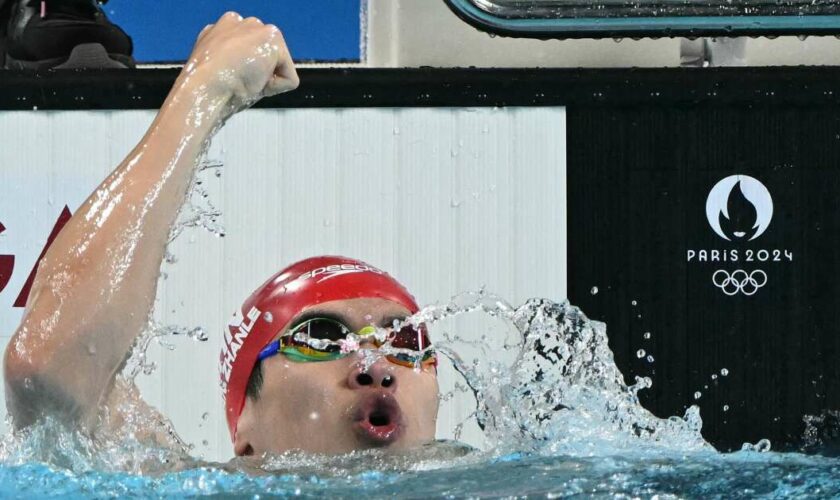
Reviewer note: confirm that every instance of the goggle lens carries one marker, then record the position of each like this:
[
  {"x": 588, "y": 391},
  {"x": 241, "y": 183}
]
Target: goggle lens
[
  {"x": 409, "y": 337},
  {"x": 429, "y": 359},
  {"x": 296, "y": 344},
  {"x": 318, "y": 329}
]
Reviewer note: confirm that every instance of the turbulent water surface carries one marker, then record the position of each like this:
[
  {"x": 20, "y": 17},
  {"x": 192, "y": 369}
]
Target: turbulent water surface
[
  {"x": 555, "y": 415},
  {"x": 743, "y": 474}
]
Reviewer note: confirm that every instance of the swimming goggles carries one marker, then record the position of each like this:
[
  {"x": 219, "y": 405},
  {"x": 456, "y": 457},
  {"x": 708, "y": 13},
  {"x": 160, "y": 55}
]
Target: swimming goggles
[{"x": 325, "y": 339}]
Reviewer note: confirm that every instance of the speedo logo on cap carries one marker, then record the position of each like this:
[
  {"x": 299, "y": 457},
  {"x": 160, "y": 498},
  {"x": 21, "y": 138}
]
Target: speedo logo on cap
[
  {"x": 237, "y": 331},
  {"x": 335, "y": 270}
]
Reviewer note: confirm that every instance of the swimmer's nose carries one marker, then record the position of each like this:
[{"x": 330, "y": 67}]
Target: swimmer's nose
[{"x": 379, "y": 375}]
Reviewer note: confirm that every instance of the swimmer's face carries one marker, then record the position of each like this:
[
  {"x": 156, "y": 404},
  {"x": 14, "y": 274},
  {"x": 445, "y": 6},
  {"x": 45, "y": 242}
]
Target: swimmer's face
[{"x": 330, "y": 406}]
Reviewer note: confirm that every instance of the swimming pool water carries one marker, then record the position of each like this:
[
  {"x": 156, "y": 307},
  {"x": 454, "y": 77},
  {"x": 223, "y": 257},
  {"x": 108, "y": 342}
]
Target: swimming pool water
[{"x": 699, "y": 475}]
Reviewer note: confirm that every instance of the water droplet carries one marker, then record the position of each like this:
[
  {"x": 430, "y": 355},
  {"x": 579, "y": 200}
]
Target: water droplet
[
  {"x": 205, "y": 442},
  {"x": 697, "y": 395},
  {"x": 634, "y": 303},
  {"x": 454, "y": 203},
  {"x": 594, "y": 290},
  {"x": 268, "y": 317},
  {"x": 649, "y": 358},
  {"x": 205, "y": 415},
  {"x": 313, "y": 416},
  {"x": 197, "y": 333},
  {"x": 714, "y": 376},
  {"x": 724, "y": 372},
  {"x": 646, "y": 336},
  {"x": 640, "y": 353},
  {"x": 725, "y": 407}
]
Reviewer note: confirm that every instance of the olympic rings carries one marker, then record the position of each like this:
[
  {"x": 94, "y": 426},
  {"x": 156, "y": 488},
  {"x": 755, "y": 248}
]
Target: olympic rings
[{"x": 739, "y": 281}]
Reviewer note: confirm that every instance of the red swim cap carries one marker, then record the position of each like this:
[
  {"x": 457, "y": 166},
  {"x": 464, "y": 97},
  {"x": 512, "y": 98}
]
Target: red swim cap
[{"x": 284, "y": 296}]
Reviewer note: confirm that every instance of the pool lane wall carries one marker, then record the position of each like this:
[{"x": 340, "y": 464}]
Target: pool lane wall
[
  {"x": 446, "y": 199},
  {"x": 531, "y": 182}
]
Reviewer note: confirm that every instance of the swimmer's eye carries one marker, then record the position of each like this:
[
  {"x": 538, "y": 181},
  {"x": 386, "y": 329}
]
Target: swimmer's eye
[{"x": 321, "y": 329}]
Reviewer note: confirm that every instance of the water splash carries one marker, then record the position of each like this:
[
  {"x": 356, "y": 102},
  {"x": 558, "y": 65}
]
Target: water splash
[
  {"x": 198, "y": 210},
  {"x": 762, "y": 446},
  {"x": 557, "y": 417},
  {"x": 822, "y": 433},
  {"x": 562, "y": 392},
  {"x": 130, "y": 436},
  {"x": 546, "y": 384},
  {"x": 159, "y": 333}
]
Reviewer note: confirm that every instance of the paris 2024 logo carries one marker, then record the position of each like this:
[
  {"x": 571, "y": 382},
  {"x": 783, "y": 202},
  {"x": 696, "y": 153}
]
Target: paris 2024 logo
[{"x": 739, "y": 209}]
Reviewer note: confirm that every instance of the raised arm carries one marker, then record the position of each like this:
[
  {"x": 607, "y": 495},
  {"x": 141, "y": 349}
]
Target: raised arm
[{"x": 94, "y": 290}]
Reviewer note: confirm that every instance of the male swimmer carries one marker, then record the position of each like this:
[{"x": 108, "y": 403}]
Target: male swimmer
[{"x": 301, "y": 366}]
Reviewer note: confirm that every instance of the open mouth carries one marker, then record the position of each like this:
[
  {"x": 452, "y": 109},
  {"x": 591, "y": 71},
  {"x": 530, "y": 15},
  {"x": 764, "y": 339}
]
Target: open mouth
[{"x": 378, "y": 420}]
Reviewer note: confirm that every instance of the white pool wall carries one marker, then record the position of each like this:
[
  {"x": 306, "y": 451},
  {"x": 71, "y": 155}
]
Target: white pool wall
[{"x": 446, "y": 200}]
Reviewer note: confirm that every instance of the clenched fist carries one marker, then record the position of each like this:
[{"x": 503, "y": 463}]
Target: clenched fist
[{"x": 242, "y": 60}]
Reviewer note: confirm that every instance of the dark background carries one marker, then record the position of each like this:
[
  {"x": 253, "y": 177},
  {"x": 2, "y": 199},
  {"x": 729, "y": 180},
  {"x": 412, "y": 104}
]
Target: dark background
[{"x": 638, "y": 178}]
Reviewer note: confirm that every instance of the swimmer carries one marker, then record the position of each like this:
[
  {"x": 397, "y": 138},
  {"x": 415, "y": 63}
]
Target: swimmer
[{"x": 301, "y": 364}]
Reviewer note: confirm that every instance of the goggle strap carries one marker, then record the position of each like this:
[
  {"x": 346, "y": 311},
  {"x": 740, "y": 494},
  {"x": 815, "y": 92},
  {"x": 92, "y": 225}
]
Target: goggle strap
[{"x": 270, "y": 350}]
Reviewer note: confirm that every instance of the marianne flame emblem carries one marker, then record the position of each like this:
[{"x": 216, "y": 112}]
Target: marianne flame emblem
[{"x": 739, "y": 208}]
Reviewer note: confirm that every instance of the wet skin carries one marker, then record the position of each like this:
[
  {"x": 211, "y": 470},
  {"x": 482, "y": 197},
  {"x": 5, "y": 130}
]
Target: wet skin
[
  {"x": 94, "y": 290},
  {"x": 327, "y": 407},
  {"x": 96, "y": 285}
]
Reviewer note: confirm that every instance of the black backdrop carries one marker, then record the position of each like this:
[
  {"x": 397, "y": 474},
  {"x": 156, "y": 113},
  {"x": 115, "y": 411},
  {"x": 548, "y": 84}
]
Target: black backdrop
[{"x": 638, "y": 179}]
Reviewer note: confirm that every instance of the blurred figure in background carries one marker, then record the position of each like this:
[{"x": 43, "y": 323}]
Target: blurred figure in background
[{"x": 61, "y": 34}]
